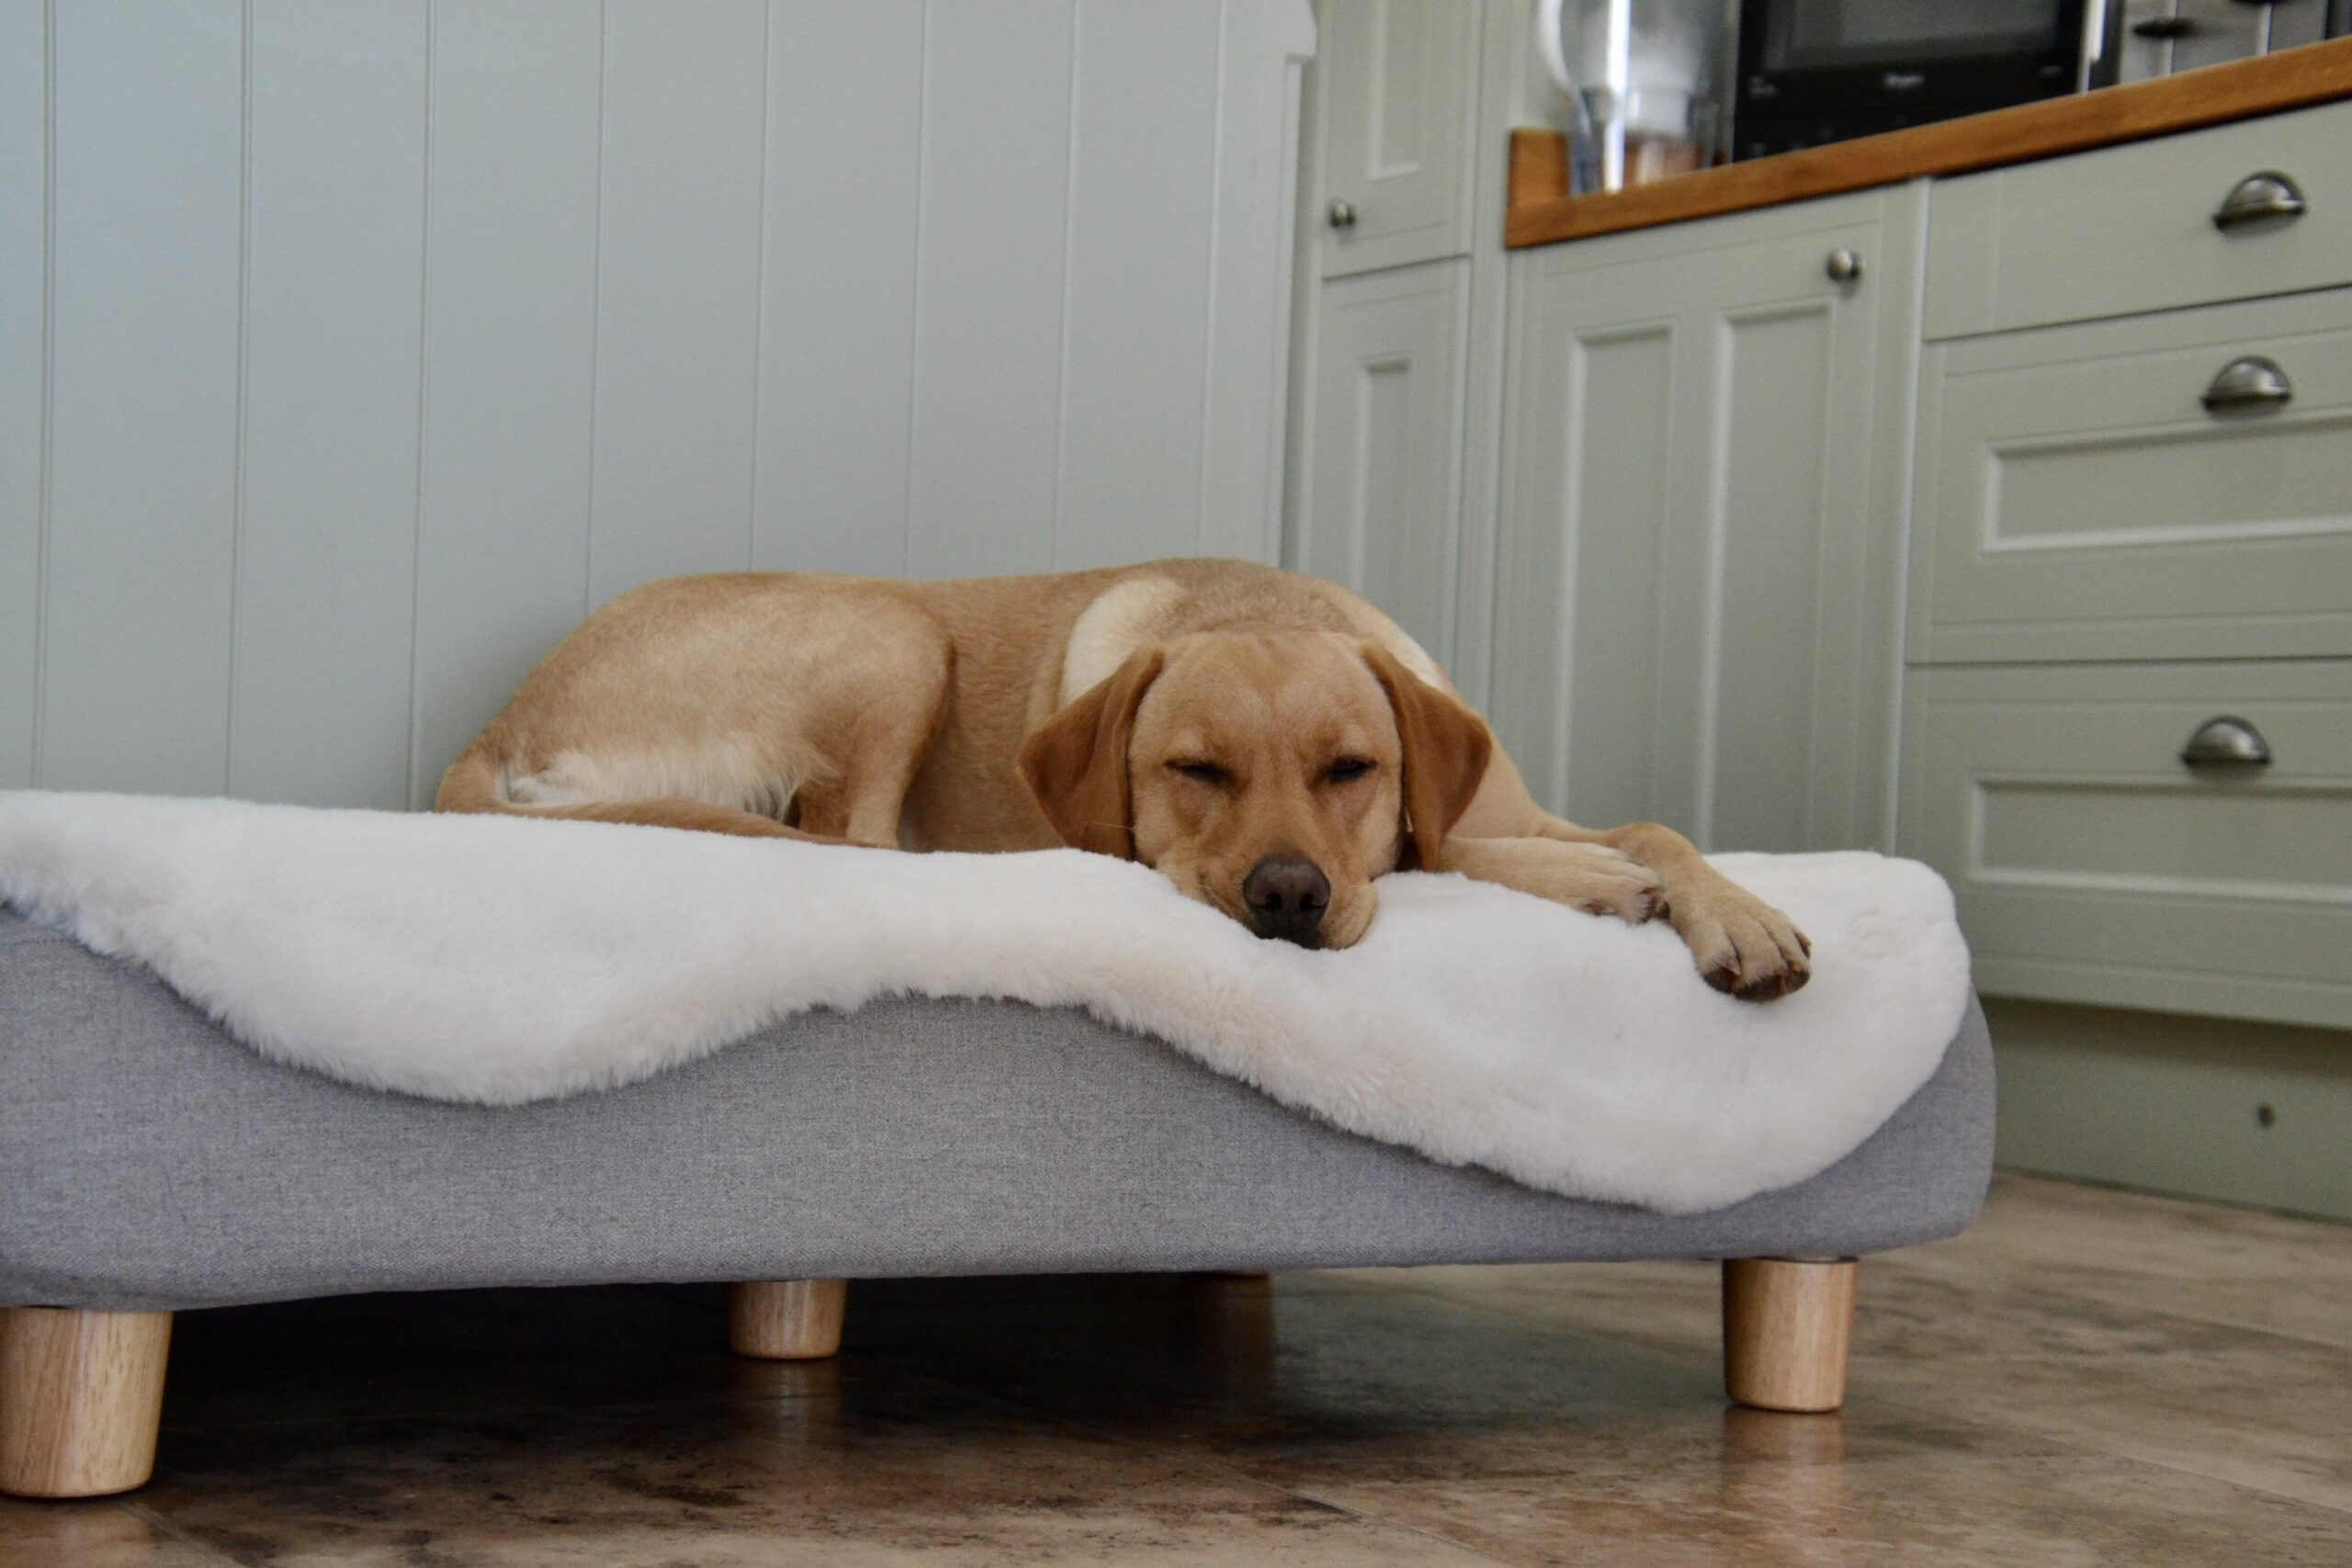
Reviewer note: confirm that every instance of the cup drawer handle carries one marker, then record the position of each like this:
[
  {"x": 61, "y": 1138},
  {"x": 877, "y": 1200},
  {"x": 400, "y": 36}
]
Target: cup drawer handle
[
  {"x": 2226, "y": 742},
  {"x": 2267, "y": 195},
  {"x": 2250, "y": 383}
]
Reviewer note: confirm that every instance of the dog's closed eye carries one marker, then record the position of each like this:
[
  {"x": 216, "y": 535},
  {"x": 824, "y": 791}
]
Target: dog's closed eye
[
  {"x": 1203, "y": 773},
  {"x": 1348, "y": 768}
]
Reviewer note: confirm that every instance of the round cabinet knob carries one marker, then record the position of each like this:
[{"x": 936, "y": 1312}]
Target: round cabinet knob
[
  {"x": 2258, "y": 197},
  {"x": 2252, "y": 382},
  {"x": 2226, "y": 742},
  {"x": 1343, "y": 214},
  {"x": 1843, "y": 266}
]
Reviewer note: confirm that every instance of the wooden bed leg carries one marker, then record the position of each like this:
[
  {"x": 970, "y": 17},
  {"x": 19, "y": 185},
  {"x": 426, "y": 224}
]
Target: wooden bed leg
[
  {"x": 80, "y": 1394},
  {"x": 785, "y": 1320},
  {"x": 1787, "y": 1324}
]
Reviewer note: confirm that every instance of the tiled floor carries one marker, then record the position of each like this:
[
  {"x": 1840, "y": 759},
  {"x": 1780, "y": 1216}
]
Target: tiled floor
[{"x": 2084, "y": 1378}]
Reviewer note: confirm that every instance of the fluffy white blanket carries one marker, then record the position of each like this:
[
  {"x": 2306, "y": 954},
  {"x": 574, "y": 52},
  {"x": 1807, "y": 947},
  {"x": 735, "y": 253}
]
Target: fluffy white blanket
[{"x": 500, "y": 960}]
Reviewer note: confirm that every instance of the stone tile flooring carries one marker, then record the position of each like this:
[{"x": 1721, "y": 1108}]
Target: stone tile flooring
[{"x": 2087, "y": 1377}]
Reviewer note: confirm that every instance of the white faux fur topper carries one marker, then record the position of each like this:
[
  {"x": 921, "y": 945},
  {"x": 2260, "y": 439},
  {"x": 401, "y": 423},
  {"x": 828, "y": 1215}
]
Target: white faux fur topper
[{"x": 500, "y": 960}]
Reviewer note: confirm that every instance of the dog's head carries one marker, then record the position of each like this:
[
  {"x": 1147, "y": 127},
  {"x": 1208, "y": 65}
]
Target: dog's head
[{"x": 1271, "y": 776}]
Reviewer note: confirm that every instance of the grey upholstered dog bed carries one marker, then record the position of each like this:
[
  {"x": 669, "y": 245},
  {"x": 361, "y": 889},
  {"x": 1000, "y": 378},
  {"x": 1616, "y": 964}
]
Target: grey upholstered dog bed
[{"x": 151, "y": 1162}]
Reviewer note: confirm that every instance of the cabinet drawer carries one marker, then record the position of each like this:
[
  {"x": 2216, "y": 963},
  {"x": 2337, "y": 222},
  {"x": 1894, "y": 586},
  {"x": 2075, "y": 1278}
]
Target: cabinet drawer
[
  {"x": 2132, "y": 228},
  {"x": 2075, "y": 498},
  {"x": 2093, "y": 865}
]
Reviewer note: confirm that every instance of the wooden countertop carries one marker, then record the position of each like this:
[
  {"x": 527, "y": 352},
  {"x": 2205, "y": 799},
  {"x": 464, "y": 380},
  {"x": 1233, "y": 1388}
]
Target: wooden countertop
[{"x": 1540, "y": 214}]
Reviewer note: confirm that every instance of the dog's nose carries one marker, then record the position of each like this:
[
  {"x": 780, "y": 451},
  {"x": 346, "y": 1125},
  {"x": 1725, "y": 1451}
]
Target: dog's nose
[{"x": 1287, "y": 896}]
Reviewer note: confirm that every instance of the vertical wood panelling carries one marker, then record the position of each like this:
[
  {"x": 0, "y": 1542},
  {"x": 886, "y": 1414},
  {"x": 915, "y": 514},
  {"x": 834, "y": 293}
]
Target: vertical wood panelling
[
  {"x": 502, "y": 548},
  {"x": 346, "y": 366},
  {"x": 678, "y": 292},
  {"x": 838, "y": 287},
  {"x": 23, "y": 246},
  {"x": 143, "y": 411},
  {"x": 988, "y": 316},
  {"x": 334, "y": 326},
  {"x": 1260, "y": 87},
  {"x": 1144, "y": 124}
]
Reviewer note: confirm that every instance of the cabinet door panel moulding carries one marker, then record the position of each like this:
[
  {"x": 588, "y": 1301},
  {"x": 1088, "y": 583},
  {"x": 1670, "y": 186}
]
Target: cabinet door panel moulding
[{"x": 1381, "y": 509}]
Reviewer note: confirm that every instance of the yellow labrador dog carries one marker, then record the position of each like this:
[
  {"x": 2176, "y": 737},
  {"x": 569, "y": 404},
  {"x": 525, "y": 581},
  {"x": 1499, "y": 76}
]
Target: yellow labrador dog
[{"x": 1271, "y": 743}]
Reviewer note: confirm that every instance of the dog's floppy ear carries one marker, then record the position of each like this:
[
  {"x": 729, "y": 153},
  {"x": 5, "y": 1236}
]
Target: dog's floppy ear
[
  {"x": 1075, "y": 764},
  {"x": 1446, "y": 750}
]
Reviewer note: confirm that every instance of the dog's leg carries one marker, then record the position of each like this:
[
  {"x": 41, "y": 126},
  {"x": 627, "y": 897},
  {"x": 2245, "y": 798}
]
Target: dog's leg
[
  {"x": 862, "y": 806},
  {"x": 678, "y": 811},
  {"x": 1590, "y": 877},
  {"x": 1741, "y": 944},
  {"x": 874, "y": 761},
  {"x": 471, "y": 785}
]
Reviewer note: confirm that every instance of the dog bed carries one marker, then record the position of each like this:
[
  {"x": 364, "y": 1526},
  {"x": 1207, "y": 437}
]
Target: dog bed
[
  {"x": 502, "y": 961},
  {"x": 822, "y": 1064}
]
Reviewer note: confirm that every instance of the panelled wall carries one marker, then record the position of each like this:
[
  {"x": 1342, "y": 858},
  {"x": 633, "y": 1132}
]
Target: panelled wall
[{"x": 349, "y": 354}]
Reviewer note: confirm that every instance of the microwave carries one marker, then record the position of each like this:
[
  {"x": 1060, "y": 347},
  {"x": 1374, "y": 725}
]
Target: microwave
[{"x": 1811, "y": 72}]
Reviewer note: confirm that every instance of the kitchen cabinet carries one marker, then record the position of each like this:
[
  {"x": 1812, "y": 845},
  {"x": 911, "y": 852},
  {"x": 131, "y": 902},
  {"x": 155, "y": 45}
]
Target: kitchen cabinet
[
  {"x": 1379, "y": 505},
  {"x": 1396, "y": 378},
  {"x": 1398, "y": 86},
  {"x": 1700, "y": 530},
  {"x": 2067, "y": 464},
  {"x": 2133, "y": 542}
]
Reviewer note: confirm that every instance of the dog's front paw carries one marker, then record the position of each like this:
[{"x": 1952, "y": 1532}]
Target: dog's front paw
[{"x": 1743, "y": 945}]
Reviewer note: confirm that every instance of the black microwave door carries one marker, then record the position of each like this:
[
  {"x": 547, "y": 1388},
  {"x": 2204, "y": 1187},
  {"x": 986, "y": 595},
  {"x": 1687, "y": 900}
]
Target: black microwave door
[{"x": 1823, "y": 58}]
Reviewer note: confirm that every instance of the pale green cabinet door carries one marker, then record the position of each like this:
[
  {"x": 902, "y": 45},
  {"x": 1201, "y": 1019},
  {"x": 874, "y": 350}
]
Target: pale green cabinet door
[
  {"x": 1697, "y": 566},
  {"x": 1379, "y": 507},
  {"x": 1398, "y": 83}
]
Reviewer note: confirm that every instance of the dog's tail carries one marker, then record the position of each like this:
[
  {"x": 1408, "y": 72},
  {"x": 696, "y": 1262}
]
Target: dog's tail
[{"x": 476, "y": 781}]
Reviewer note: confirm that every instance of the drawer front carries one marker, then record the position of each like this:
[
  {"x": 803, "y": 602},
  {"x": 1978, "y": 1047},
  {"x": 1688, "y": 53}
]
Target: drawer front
[
  {"x": 2074, "y": 499},
  {"x": 2131, "y": 229},
  {"x": 2092, "y": 865}
]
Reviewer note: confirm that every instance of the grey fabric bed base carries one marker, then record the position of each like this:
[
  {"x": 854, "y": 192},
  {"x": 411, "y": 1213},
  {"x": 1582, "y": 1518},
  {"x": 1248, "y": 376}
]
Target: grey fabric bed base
[{"x": 147, "y": 1161}]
